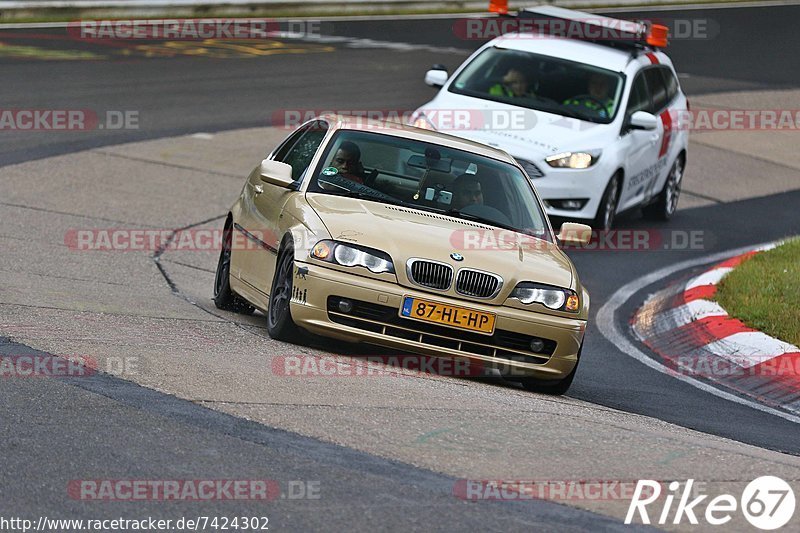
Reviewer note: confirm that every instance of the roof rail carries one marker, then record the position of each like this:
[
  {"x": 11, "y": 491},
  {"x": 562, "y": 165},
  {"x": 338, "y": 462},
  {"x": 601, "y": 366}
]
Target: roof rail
[{"x": 631, "y": 36}]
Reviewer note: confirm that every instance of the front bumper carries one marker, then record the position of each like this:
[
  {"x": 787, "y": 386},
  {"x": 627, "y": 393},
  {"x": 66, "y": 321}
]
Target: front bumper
[
  {"x": 381, "y": 324},
  {"x": 566, "y": 184}
]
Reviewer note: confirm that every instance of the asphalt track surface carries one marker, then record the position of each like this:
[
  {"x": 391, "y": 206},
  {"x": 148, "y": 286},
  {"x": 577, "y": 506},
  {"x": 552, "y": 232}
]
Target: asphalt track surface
[{"x": 53, "y": 427}]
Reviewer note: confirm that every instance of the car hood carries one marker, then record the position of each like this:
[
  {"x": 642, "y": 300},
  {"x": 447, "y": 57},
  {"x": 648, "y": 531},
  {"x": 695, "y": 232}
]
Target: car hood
[
  {"x": 405, "y": 233},
  {"x": 521, "y": 132}
]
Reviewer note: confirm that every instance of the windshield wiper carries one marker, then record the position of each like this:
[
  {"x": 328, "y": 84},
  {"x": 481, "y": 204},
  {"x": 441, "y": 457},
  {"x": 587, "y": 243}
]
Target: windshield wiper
[
  {"x": 475, "y": 218},
  {"x": 361, "y": 195}
]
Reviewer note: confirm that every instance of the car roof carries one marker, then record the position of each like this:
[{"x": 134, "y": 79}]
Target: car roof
[
  {"x": 565, "y": 48},
  {"x": 396, "y": 129}
]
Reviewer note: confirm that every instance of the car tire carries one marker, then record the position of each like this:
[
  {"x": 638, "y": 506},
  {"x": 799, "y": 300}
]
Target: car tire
[
  {"x": 666, "y": 202},
  {"x": 280, "y": 325},
  {"x": 608, "y": 204},
  {"x": 553, "y": 387},
  {"x": 224, "y": 297}
]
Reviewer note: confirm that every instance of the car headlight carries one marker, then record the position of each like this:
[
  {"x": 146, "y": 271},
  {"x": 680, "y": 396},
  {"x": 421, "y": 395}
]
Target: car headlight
[
  {"x": 551, "y": 297},
  {"x": 574, "y": 159},
  {"x": 349, "y": 255},
  {"x": 422, "y": 121}
]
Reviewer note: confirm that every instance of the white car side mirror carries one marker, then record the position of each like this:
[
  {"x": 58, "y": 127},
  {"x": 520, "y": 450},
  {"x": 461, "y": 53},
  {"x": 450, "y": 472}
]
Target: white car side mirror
[
  {"x": 642, "y": 120},
  {"x": 276, "y": 173},
  {"x": 436, "y": 77}
]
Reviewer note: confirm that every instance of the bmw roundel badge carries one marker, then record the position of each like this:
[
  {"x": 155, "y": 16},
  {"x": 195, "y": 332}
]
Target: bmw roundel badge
[{"x": 457, "y": 256}]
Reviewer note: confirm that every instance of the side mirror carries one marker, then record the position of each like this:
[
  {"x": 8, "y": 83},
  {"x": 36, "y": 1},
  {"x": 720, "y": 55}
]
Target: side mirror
[
  {"x": 642, "y": 120},
  {"x": 276, "y": 173},
  {"x": 576, "y": 234},
  {"x": 436, "y": 76}
]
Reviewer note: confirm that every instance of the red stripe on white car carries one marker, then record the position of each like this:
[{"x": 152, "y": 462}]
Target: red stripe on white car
[
  {"x": 666, "y": 140},
  {"x": 652, "y": 57}
]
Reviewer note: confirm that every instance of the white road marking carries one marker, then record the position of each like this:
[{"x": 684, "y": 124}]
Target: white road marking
[
  {"x": 686, "y": 314},
  {"x": 355, "y": 42},
  {"x": 712, "y": 277},
  {"x": 607, "y": 325},
  {"x": 749, "y": 348},
  {"x": 700, "y": 309}
]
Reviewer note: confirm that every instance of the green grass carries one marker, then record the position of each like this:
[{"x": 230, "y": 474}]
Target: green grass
[{"x": 764, "y": 292}]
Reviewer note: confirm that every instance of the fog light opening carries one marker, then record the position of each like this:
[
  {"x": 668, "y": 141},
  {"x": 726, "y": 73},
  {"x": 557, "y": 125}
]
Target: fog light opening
[
  {"x": 569, "y": 204},
  {"x": 345, "y": 306},
  {"x": 537, "y": 345}
]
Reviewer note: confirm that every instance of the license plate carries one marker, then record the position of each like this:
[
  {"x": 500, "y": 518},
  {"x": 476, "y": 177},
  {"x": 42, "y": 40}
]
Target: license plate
[{"x": 449, "y": 315}]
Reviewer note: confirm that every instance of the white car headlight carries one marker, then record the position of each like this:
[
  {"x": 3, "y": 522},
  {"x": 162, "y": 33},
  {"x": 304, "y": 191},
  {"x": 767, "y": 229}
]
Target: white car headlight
[
  {"x": 551, "y": 297},
  {"x": 349, "y": 255},
  {"x": 574, "y": 159}
]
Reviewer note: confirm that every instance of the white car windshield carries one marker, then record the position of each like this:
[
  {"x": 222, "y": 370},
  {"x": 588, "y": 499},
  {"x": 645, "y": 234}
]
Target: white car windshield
[
  {"x": 429, "y": 177},
  {"x": 544, "y": 83}
]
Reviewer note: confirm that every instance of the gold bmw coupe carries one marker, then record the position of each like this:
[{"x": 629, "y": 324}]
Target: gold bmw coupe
[{"x": 409, "y": 239}]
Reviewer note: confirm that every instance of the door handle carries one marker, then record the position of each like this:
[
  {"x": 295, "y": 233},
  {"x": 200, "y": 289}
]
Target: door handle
[{"x": 258, "y": 188}]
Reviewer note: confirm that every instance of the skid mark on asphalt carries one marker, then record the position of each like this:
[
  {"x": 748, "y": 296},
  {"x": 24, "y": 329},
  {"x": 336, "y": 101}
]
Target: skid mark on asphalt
[
  {"x": 78, "y": 215},
  {"x": 100, "y": 314},
  {"x": 163, "y": 248},
  {"x": 49, "y": 275},
  {"x": 702, "y": 196},
  {"x": 166, "y": 164},
  {"x": 187, "y": 265}
]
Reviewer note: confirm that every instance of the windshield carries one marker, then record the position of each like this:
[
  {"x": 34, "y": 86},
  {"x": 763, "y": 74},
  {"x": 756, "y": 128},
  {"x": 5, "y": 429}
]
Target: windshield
[
  {"x": 429, "y": 177},
  {"x": 544, "y": 83}
]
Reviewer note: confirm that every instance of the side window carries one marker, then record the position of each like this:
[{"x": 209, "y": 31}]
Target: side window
[
  {"x": 300, "y": 154},
  {"x": 280, "y": 152},
  {"x": 658, "y": 90},
  {"x": 639, "y": 100},
  {"x": 670, "y": 82}
]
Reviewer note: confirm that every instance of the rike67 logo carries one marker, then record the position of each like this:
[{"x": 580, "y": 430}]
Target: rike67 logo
[{"x": 767, "y": 503}]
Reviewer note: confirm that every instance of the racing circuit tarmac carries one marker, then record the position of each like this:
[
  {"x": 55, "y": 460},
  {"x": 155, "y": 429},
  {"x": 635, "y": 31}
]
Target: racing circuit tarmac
[{"x": 201, "y": 399}]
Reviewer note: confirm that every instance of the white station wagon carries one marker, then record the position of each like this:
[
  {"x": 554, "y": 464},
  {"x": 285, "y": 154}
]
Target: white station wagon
[{"x": 604, "y": 130}]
